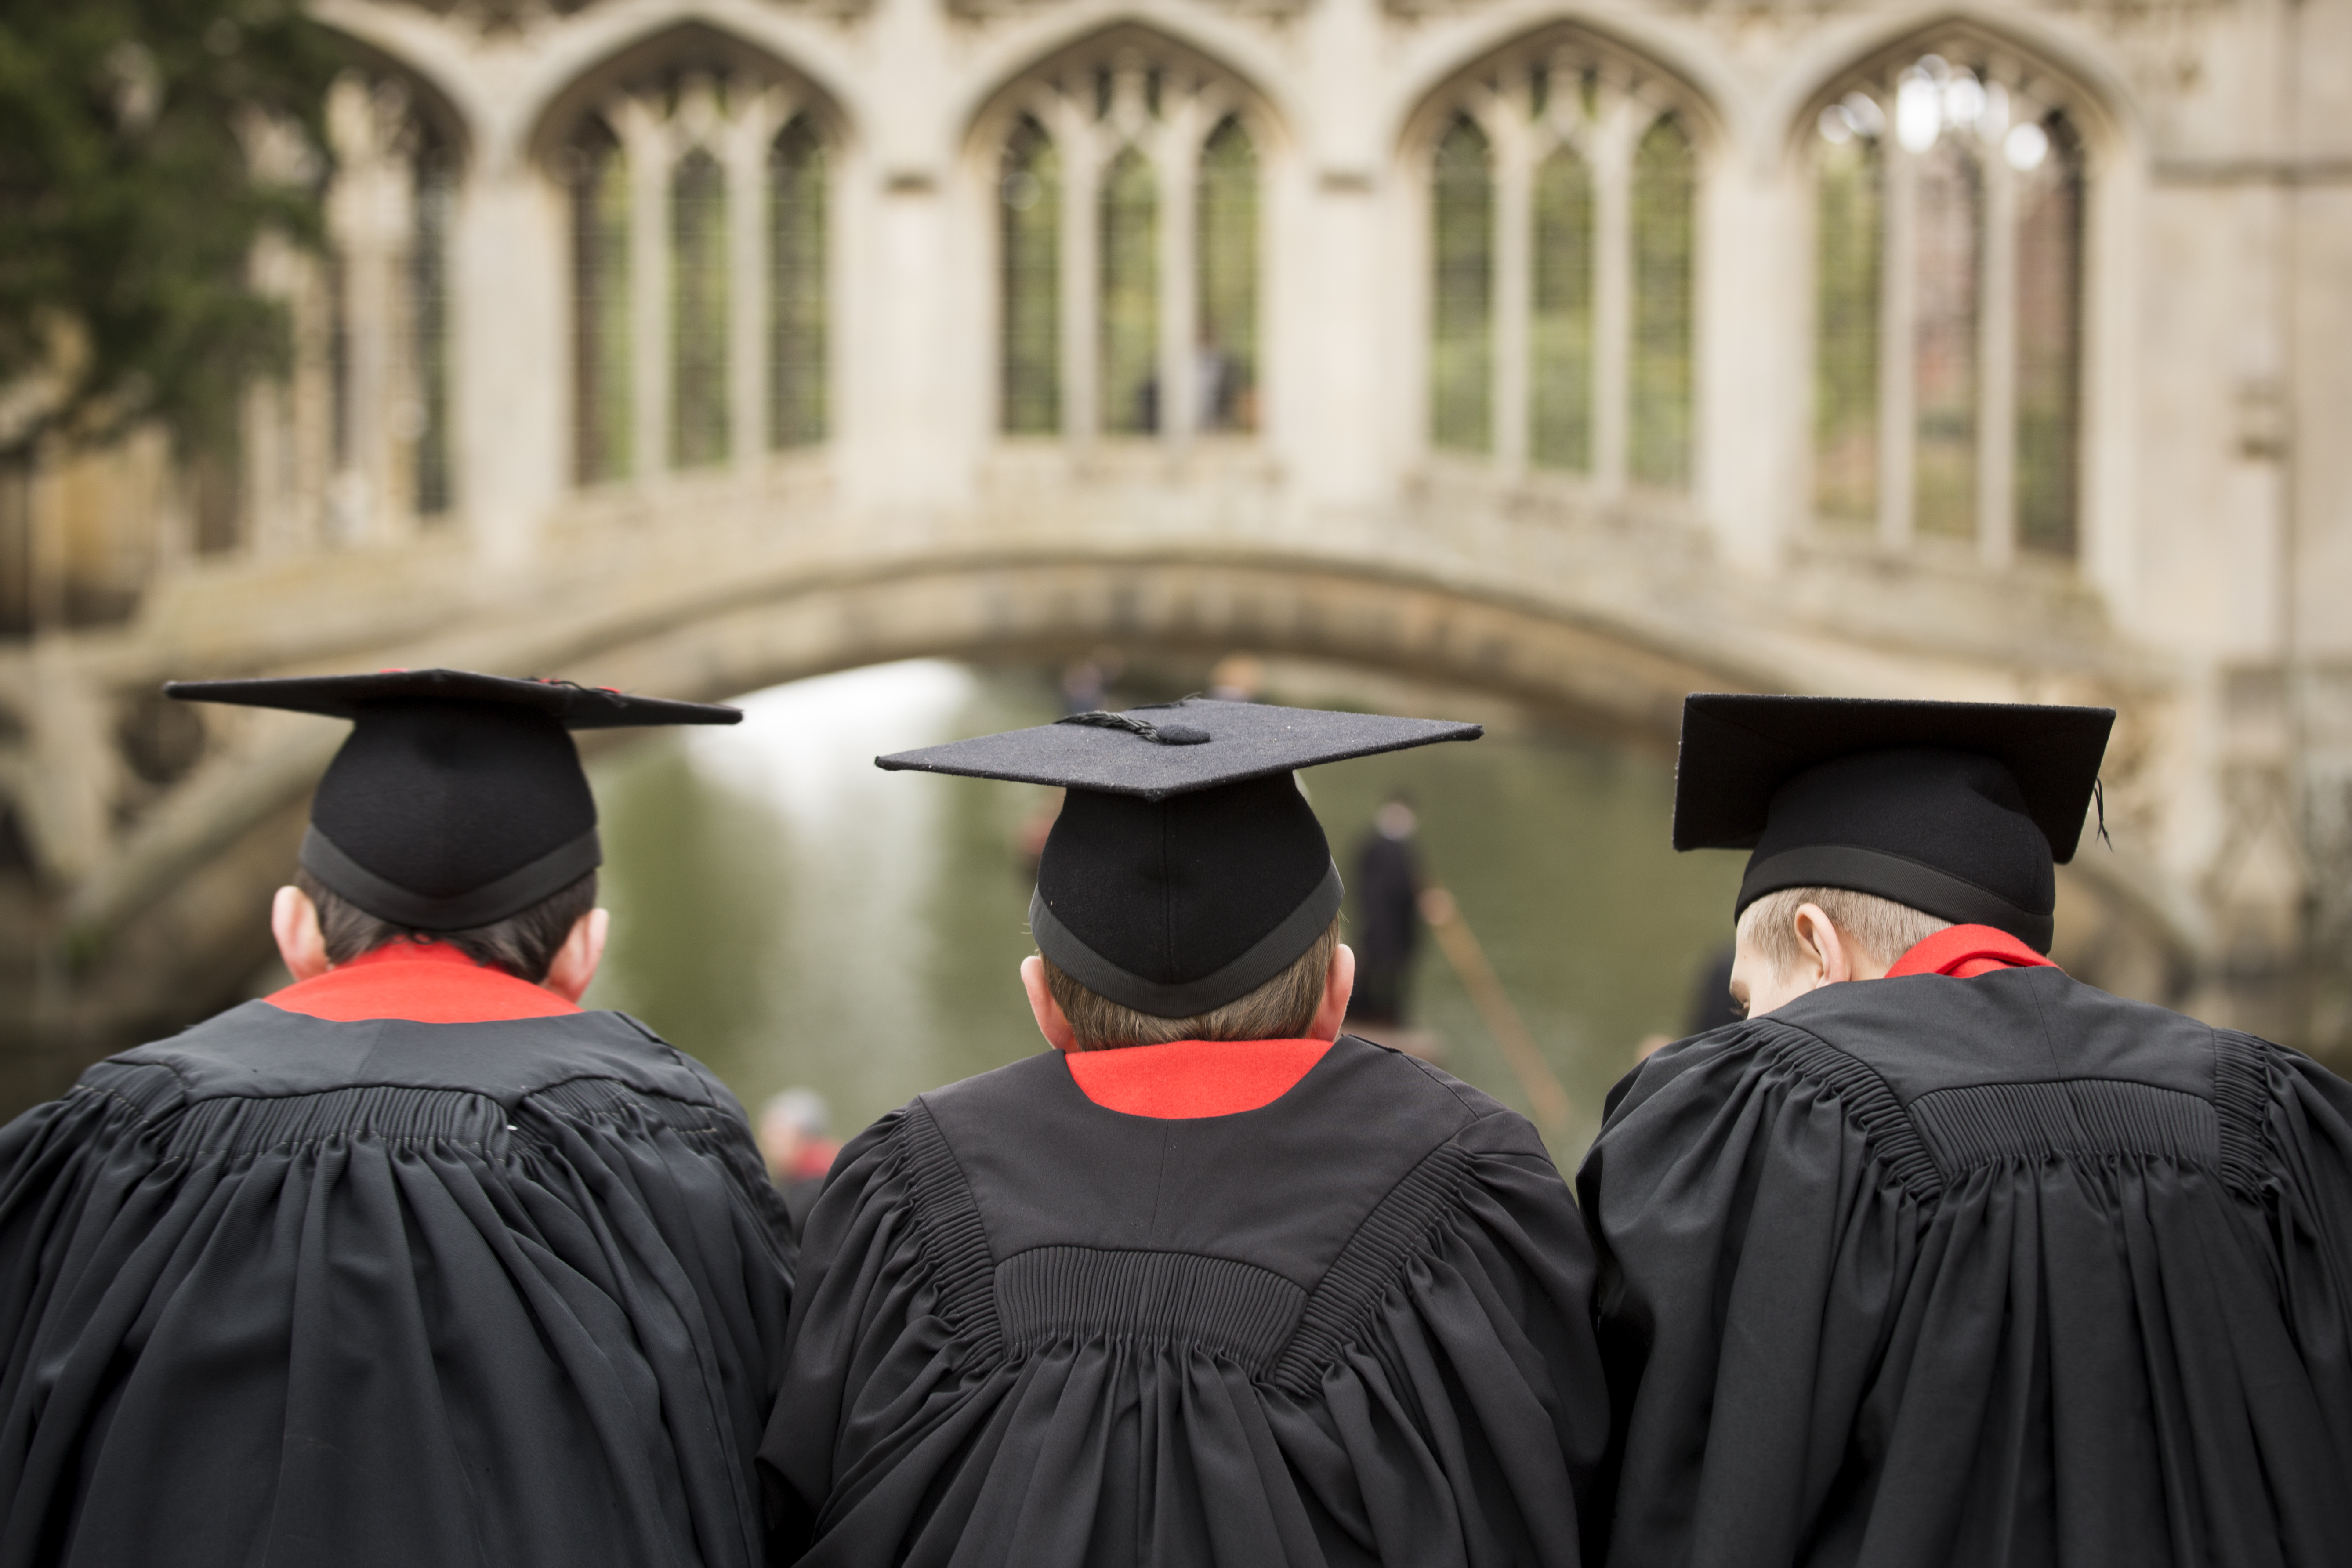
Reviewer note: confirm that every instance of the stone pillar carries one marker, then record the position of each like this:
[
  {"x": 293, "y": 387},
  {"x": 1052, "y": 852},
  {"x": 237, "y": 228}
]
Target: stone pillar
[
  {"x": 510, "y": 372},
  {"x": 1345, "y": 294},
  {"x": 1752, "y": 418}
]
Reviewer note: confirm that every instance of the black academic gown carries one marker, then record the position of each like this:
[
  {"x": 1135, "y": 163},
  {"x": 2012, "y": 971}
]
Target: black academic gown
[
  {"x": 1352, "y": 1326},
  {"x": 286, "y": 1291},
  {"x": 2000, "y": 1270}
]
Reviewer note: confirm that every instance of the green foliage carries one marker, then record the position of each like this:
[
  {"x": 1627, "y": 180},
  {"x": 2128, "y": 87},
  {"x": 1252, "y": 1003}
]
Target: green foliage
[{"x": 129, "y": 206}]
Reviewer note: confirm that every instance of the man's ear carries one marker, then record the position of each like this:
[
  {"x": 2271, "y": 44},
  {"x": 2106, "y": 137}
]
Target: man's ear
[
  {"x": 1051, "y": 1023},
  {"x": 294, "y": 921},
  {"x": 576, "y": 961},
  {"x": 1836, "y": 957},
  {"x": 1339, "y": 985}
]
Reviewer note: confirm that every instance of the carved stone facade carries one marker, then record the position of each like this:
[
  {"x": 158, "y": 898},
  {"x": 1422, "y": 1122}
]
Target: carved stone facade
[{"x": 1988, "y": 351}]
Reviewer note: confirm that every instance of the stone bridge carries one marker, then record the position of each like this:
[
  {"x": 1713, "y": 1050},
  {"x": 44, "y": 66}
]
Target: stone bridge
[
  {"x": 1588, "y": 354},
  {"x": 160, "y": 830}
]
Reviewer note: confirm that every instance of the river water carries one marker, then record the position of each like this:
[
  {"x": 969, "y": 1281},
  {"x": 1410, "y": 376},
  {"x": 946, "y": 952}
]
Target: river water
[{"x": 795, "y": 917}]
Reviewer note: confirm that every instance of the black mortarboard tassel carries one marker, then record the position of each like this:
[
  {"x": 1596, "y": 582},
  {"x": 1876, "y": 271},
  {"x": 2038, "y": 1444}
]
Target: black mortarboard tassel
[
  {"x": 1957, "y": 809},
  {"x": 457, "y": 799},
  {"x": 1186, "y": 869}
]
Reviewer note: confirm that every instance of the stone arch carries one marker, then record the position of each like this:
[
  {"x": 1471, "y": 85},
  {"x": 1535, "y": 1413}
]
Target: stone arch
[
  {"x": 1018, "y": 92},
  {"x": 427, "y": 96},
  {"x": 1653, "y": 68},
  {"x": 1076, "y": 39},
  {"x": 436, "y": 91},
  {"x": 168, "y": 930},
  {"x": 2100, "y": 100},
  {"x": 671, "y": 50}
]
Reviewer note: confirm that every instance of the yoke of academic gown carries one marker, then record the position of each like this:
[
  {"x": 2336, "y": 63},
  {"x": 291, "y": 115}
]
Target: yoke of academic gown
[
  {"x": 1352, "y": 1326},
  {"x": 1997, "y": 1270},
  {"x": 286, "y": 1291}
]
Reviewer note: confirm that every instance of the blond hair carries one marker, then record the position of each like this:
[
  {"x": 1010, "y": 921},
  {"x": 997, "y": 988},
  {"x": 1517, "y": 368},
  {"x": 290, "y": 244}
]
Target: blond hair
[
  {"x": 1281, "y": 1009},
  {"x": 1881, "y": 927}
]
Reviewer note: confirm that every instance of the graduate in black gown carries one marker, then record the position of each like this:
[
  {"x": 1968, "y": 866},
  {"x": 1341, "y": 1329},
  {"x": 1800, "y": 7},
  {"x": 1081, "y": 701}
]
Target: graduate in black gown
[
  {"x": 1388, "y": 897},
  {"x": 1942, "y": 1256},
  {"x": 414, "y": 1262},
  {"x": 1203, "y": 1285}
]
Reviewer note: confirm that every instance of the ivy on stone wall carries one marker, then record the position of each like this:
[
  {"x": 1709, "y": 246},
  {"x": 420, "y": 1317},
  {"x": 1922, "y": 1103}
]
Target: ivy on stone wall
[{"x": 145, "y": 146}]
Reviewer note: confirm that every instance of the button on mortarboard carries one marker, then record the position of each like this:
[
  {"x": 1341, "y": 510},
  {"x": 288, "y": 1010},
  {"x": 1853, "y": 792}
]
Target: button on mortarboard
[
  {"x": 458, "y": 798},
  {"x": 1957, "y": 809},
  {"x": 1185, "y": 870}
]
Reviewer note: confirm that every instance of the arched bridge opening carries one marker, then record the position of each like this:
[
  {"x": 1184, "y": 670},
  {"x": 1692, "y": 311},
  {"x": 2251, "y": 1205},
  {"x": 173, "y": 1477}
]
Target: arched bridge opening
[{"x": 172, "y": 923}]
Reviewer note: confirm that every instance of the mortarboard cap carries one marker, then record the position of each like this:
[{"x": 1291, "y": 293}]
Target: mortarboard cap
[
  {"x": 1956, "y": 809},
  {"x": 457, "y": 799},
  {"x": 1186, "y": 869}
]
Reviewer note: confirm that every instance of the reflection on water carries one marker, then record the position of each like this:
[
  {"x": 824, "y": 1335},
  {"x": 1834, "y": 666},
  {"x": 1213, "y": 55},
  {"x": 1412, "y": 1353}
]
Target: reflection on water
[{"x": 793, "y": 915}]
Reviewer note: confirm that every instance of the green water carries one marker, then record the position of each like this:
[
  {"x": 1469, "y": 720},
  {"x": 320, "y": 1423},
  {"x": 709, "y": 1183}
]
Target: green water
[{"x": 795, "y": 917}]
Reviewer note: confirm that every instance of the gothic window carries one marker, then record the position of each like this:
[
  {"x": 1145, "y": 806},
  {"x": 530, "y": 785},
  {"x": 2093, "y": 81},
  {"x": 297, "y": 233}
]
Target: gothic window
[
  {"x": 2049, "y": 333},
  {"x": 1128, "y": 318},
  {"x": 1947, "y": 307},
  {"x": 698, "y": 321},
  {"x": 1226, "y": 210},
  {"x": 433, "y": 195},
  {"x": 1128, "y": 230},
  {"x": 1562, "y": 268},
  {"x": 699, "y": 206},
  {"x": 1031, "y": 265},
  {"x": 1462, "y": 303},
  {"x": 385, "y": 304},
  {"x": 1850, "y": 200},
  {"x": 602, "y": 405},
  {"x": 1560, "y": 323},
  {"x": 1666, "y": 190},
  {"x": 796, "y": 243}
]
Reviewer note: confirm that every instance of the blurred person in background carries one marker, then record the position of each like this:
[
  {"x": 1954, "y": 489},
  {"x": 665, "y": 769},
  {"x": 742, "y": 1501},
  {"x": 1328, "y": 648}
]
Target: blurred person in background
[
  {"x": 1712, "y": 1005},
  {"x": 1387, "y": 894},
  {"x": 1238, "y": 677},
  {"x": 1206, "y": 1283},
  {"x": 1942, "y": 1256},
  {"x": 415, "y": 1261},
  {"x": 793, "y": 1141}
]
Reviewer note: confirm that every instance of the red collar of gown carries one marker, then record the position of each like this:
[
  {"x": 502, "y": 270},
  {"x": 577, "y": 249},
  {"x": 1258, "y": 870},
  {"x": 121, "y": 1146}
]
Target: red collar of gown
[
  {"x": 1966, "y": 952},
  {"x": 1186, "y": 1079},
  {"x": 423, "y": 982}
]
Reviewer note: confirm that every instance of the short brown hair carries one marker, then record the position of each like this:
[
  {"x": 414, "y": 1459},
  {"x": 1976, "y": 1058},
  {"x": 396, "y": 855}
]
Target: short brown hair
[
  {"x": 1281, "y": 1009},
  {"x": 523, "y": 944},
  {"x": 1883, "y": 928}
]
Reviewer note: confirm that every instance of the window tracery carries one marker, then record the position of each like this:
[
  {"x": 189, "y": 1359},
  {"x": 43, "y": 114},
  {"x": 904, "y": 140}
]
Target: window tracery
[
  {"x": 1563, "y": 186},
  {"x": 1949, "y": 199},
  {"x": 1128, "y": 249},
  {"x": 387, "y": 328},
  {"x": 700, "y": 301}
]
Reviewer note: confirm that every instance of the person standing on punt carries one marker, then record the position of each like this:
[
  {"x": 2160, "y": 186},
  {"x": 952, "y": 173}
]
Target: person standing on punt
[
  {"x": 1203, "y": 1285},
  {"x": 414, "y": 1261},
  {"x": 1942, "y": 1256}
]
